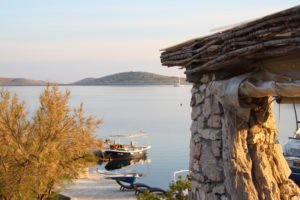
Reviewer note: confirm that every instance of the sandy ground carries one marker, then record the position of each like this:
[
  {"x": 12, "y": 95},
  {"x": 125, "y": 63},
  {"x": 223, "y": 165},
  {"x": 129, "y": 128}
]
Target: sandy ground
[{"x": 94, "y": 187}]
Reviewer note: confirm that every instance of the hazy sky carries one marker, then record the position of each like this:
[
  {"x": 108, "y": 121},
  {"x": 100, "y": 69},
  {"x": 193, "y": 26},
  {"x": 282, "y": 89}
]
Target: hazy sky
[{"x": 67, "y": 40}]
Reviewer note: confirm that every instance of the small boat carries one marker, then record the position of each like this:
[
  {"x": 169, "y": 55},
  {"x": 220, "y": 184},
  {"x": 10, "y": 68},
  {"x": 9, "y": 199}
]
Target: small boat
[{"x": 114, "y": 150}]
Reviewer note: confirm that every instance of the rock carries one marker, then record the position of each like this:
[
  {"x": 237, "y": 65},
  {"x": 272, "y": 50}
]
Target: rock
[
  {"x": 196, "y": 166},
  {"x": 196, "y": 111},
  {"x": 202, "y": 88},
  {"x": 197, "y": 151},
  {"x": 214, "y": 121},
  {"x": 205, "y": 79},
  {"x": 245, "y": 152},
  {"x": 199, "y": 97},
  {"x": 191, "y": 154},
  {"x": 206, "y": 187},
  {"x": 198, "y": 177},
  {"x": 208, "y": 93},
  {"x": 281, "y": 164},
  {"x": 297, "y": 197},
  {"x": 210, "y": 134},
  {"x": 211, "y": 196},
  {"x": 216, "y": 106},
  {"x": 289, "y": 189},
  {"x": 209, "y": 164},
  {"x": 193, "y": 101},
  {"x": 194, "y": 127},
  {"x": 195, "y": 89},
  {"x": 256, "y": 135},
  {"x": 196, "y": 138},
  {"x": 207, "y": 156},
  {"x": 213, "y": 172},
  {"x": 257, "y": 138},
  {"x": 200, "y": 194},
  {"x": 216, "y": 148},
  {"x": 213, "y": 77},
  {"x": 223, "y": 197},
  {"x": 219, "y": 189},
  {"x": 207, "y": 107},
  {"x": 201, "y": 122}
]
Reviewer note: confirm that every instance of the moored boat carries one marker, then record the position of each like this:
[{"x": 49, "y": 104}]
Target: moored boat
[
  {"x": 292, "y": 155},
  {"x": 294, "y": 164},
  {"x": 292, "y": 149},
  {"x": 115, "y": 150}
]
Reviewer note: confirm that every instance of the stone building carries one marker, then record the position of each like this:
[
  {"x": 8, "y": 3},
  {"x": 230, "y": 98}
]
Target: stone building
[{"x": 236, "y": 75}]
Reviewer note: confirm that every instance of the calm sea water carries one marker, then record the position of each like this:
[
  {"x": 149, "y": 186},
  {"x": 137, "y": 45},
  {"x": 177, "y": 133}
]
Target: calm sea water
[{"x": 161, "y": 111}]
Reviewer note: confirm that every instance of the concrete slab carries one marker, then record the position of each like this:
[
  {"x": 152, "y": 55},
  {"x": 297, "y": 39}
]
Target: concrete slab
[{"x": 95, "y": 187}]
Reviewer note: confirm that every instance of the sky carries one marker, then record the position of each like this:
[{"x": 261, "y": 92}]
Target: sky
[{"x": 68, "y": 40}]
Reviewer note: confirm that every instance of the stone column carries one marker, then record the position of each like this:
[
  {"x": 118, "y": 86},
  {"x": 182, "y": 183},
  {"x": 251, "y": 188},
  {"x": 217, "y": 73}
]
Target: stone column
[
  {"x": 206, "y": 162},
  {"x": 234, "y": 159}
]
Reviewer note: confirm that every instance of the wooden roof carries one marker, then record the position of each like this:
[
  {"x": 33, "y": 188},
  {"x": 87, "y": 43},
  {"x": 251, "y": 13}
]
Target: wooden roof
[{"x": 272, "y": 36}]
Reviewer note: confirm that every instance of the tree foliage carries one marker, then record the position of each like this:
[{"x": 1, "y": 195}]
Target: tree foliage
[
  {"x": 177, "y": 191},
  {"x": 40, "y": 153}
]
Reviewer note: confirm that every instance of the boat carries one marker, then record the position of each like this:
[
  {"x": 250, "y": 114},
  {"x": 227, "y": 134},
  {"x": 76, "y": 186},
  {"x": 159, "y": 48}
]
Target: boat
[
  {"x": 292, "y": 156},
  {"x": 119, "y": 164},
  {"x": 115, "y": 150},
  {"x": 291, "y": 151},
  {"x": 294, "y": 164}
]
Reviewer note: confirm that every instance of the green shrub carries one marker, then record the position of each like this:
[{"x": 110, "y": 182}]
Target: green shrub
[{"x": 175, "y": 192}]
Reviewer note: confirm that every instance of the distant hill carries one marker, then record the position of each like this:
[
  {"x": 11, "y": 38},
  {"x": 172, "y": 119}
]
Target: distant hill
[
  {"x": 20, "y": 82},
  {"x": 131, "y": 78}
]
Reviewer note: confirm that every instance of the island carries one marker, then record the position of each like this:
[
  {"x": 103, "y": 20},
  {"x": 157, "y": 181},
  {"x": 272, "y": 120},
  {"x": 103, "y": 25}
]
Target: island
[
  {"x": 118, "y": 79},
  {"x": 20, "y": 82},
  {"x": 132, "y": 78}
]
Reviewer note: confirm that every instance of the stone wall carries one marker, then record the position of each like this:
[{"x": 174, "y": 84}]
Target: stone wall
[
  {"x": 234, "y": 159},
  {"x": 206, "y": 162}
]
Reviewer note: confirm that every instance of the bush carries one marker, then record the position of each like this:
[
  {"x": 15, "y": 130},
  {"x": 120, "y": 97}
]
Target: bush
[
  {"x": 176, "y": 191},
  {"x": 44, "y": 151}
]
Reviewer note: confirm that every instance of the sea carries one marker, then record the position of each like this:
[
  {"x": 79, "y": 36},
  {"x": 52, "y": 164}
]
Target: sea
[{"x": 163, "y": 112}]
